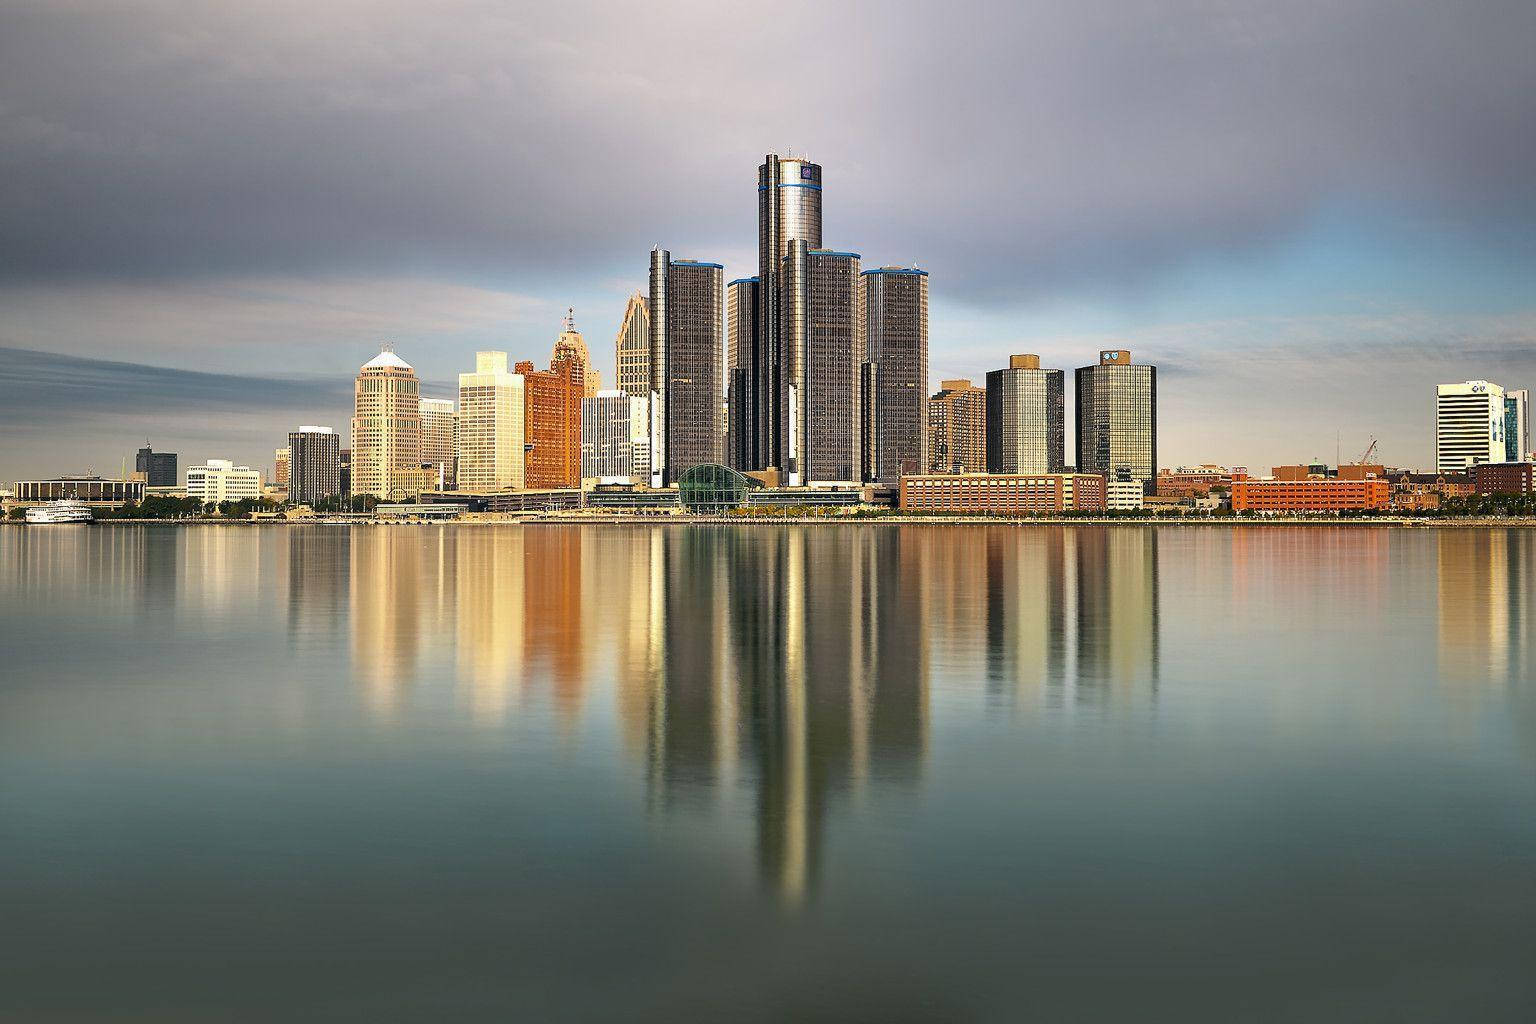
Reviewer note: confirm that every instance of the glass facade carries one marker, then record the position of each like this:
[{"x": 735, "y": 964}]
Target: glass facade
[
  {"x": 895, "y": 309},
  {"x": 711, "y": 488},
  {"x": 823, "y": 347},
  {"x": 1026, "y": 421},
  {"x": 1117, "y": 418},
  {"x": 742, "y": 300},
  {"x": 314, "y": 465},
  {"x": 687, "y": 304}
]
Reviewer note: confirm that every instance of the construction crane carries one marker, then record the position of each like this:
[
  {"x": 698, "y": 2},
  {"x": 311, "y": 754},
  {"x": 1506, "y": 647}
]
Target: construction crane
[{"x": 1368, "y": 452}]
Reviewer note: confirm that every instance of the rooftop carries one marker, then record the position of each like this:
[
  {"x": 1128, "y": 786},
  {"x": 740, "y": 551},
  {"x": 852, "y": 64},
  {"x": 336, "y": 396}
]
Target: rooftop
[{"x": 387, "y": 359}]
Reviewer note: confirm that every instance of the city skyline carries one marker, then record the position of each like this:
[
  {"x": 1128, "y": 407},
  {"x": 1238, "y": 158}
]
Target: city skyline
[{"x": 1287, "y": 299}]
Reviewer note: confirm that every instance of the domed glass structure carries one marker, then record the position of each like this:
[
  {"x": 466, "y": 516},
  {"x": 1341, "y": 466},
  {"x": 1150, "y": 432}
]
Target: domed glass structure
[{"x": 712, "y": 488}]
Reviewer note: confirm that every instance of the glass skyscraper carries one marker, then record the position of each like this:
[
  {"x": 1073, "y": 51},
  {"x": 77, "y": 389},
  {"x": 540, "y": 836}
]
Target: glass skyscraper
[
  {"x": 894, "y": 376},
  {"x": 1026, "y": 418},
  {"x": 820, "y": 324},
  {"x": 686, "y": 306},
  {"x": 1117, "y": 417}
]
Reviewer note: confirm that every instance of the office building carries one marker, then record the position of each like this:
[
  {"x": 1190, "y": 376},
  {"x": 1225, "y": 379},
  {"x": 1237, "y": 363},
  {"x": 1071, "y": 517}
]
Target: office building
[
  {"x": 1469, "y": 425},
  {"x": 346, "y": 472},
  {"x": 157, "y": 468},
  {"x": 1005, "y": 494},
  {"x": 1026, "y": 418},
  {"x": 1311, "y": 495},
  {"x": 609, "y": 422},
  {"x": 957, "y": 428},
  {"x": 280, "y": 461},
  {"x": 788, "y": 210},
  {"x": 894, "y": 376},
  {"x": 1190, "y": 482},
  {"x": 221, "y": 480},
  {"x": 1117, "y": 416},
  {"x": 552, "y": 421},
  {"x": 491, "y": 426},
  {"x": 632, "y": 348},
  {"x": 1517, "y": 425},
  {"x": 439, "y": 433},
  {"x": 1504, "y": 478},
  {"x": 572, "y": 348},
  {"x": 742, "y": 312},
  {"x": 386, "y": 429},
  {"x": 314, "y": 466},
  {"x": 686, "y": 305},
  {"x": 1124, "y": 495},
  {"x": 822, "y": 350}
]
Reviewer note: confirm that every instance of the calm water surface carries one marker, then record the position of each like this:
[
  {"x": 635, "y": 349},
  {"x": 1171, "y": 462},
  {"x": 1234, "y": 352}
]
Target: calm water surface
[{"x": 767, "y": 773}]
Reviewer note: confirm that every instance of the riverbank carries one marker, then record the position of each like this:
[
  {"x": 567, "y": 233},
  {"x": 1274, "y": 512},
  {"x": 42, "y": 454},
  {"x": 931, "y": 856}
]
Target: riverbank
[{"x": 567, "y": 519}]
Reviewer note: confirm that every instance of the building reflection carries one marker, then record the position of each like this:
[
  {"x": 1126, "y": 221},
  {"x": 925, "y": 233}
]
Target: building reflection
[{"x": 1487, "y": 611}]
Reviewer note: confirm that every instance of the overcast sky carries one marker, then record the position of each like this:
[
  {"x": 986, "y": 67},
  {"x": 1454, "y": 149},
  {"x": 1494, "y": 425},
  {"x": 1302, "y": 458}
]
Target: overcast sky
[{"x": 1307, "y": 214}]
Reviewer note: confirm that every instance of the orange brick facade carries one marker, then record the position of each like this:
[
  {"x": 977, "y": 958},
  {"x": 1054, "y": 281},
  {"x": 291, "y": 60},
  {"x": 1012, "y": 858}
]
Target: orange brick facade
[
  {"x": 1308, "y": 495},
  {"x": 998, "y": 494},
  {"x": 552, "y": 423}
]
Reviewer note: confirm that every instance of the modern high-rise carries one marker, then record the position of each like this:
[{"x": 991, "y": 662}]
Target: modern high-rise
[
  {"x": 158, "y": 468},
  {"x": 1026, "y": 418},
  {"x": 491, "y": 428},
  {"x": 221, "y": 480},
  {"x": 820, "y": 328},
  {"x": 608, "y": 427},
  {"x": 572, "y": 347},
  {"x": 386, "y": 429},
  {"x": 686, "y": 305},
  {"x": 552, "y": 422},
  {"x": 788, "y": 209},
  {"x": 894, "y": 376},
  {"x": 957, "y": 428},
  {"x": 632, "y": 348},
  {"x": 1469, "y": 425},
  {"x": 439, "y": 429},
  {"x": 1117, "y": 416},
  {"x": 314, "y": 464},
  {"x": 1517, "y": 425},
  {"x": 742, "y": 300}
]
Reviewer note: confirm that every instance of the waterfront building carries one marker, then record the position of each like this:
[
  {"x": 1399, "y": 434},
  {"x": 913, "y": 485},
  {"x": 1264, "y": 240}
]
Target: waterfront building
[
  {"x": 1448, "y": 485},
  {"x": 386, "y": 429},
  {"x": 1026, "y": 428},
  {"x": 1469, "y": 425},
  {"x": 280, "y": 461},
  {"x": 788, "y": 210},
  {"x": 491, "y": 426},
  {"x": 894, "y": 376},
  {"x": 157, "y": 468},
  {"x": 1190, "y": 482},
  {"x": 1517, "y": 425},
  {"x": 1124, "y": 495},
  {"x": 1117, "y": 416},
  {"x": 314, "y": 467},
  {"x": 1504, "y": 478},
  {"x": 552, "y": 422},
  {"x": 572, "y": 347},
  {"x": 822, "y": 349},
  {"x": 608, "y": 422},
  {"x": 686, "y": 307},
  {"x": 1006, "y": 494},
  {"x": 221, "y": 480},
  {"x": 439, "y": 441},
  {"x": 93, "y": 490},
  {"x": 742, "y": 313},
  {"x": 632, "y": 348},
  {"x": 1309, "y": 495},
  {"x": 957, "y": 428},
  {"x": 346, "y": 472}
]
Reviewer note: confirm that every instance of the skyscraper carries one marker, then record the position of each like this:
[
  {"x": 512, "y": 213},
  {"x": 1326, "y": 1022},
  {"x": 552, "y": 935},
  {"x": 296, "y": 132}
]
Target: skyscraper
[
  {"x": 572, "y": 347},
  {"x": 158, "y": 468},
  {"x": 608, "y": 436},
  {"x": 686, "y": 341},
  {"x": 957, "y": 428},
  {"x": 1026, "y": 418},
  {"x": 788, "y": 208},
  {"x": 1117, "y": 416},
  {"x": 1517, "y": 425},
  {"x": 1469, "y": 425},
  {"x": 894, "y": 377},
  {"x": 386, "y": 428},
  {"x": 822, "y": 350},
  {"x": 314, "y": 464},
  {"x": 632, "y": 348},
  {"x": 439, "y": 428},
  {"x": 491, "y": 428},
  {"x": 741, "y": 315},
  {"x": 552, "y": 422}
]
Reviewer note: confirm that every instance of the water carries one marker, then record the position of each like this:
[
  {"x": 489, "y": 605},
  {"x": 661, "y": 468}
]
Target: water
[{"x": 762, "y": 773}]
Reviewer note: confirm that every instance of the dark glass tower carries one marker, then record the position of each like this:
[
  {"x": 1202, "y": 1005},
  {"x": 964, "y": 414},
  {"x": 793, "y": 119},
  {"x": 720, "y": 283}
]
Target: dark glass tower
[
  {"x": 742, "y": 305},
  {"x": 894, "y": 378},
  {"x": 687, "y": 300},
  {"x": 823, "y": 347},
  {"x": 159, "y": 468},
  {"x": 1026, "y": 418},
  {"x": 1117, "y": 417},
  {"x": 314, "y": 464}
]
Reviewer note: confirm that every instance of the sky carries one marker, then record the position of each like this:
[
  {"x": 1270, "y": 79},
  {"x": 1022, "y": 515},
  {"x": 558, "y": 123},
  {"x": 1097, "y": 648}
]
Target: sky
[{"x": 1305, "y": 214}]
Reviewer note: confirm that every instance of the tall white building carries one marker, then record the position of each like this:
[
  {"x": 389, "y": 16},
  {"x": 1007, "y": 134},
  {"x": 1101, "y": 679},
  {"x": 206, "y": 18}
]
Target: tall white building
[
  {"x": 222, "y": 480},
  {"x": 1469, "y": 425},
  {"x": 614, "y": 438},
  {"x": 491, "y": 430},
  {"x": 439, "y": 431}
]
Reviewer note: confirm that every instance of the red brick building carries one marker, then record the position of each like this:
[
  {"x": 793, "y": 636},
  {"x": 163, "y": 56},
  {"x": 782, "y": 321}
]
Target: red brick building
[
  {"x": 1315, "y": 495},
  {"x": 1504, "y": 478},
  {"x": 552, "y": 423},
  {"x": 1003, "y": 494}
]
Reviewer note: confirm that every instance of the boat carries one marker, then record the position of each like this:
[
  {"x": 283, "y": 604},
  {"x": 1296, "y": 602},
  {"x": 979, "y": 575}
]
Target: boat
[{"x": 67, "y": 510}]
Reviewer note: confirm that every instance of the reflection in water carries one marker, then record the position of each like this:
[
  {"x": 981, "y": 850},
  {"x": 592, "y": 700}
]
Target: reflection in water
[{"x": 1487, "y": 610}]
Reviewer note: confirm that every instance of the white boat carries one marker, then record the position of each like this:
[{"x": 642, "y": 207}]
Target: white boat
[{"x": 67, "y": 510}]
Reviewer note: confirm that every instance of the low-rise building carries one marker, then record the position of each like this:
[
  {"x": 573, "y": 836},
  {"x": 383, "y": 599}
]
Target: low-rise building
[
  {"x": 221, "y": 480},
  {"x": 1003, "y": 494},
  {"x": 1504, "y": 478},
  {"x": 93, "y": 490},
  {"x": 1308, "y": 495},
  {"x": 1189, "y": 482},
  {"x": 1124, "y": 495},
  {"x": 1447, "y": 485}
]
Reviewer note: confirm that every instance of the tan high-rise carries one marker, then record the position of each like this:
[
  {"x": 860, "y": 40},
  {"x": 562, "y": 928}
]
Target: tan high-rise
[
  {"x": 632, "y": 349},
  {"x": 386, "y": 429},
  {"x": 491, "y": 430},
  {"x": 439, "y": 427},
  {"x": 571, "y": 346},
  {"x": 957, "y": 428}
]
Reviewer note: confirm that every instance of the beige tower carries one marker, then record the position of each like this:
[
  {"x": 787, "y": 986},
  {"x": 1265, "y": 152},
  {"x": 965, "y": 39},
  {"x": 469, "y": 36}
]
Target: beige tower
[
  {"x": 632, "y": 349},
  {"x": 386, "y": 429},
  {"x": 439, "y": 426},
  {"x": 491, "y": 433},
  {"x": 571, "y": 346}
]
